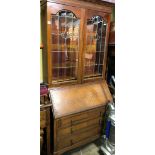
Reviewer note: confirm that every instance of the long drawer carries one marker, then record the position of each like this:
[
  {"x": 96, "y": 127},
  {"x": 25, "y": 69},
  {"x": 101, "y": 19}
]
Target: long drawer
[
  {"x": 85, "y": 135},
  {"x": 71, "y": 130},
  {"x": 78, "y": 128},
  {"x": 79, "y": 118},
  {"x": 73, "y": 139}
]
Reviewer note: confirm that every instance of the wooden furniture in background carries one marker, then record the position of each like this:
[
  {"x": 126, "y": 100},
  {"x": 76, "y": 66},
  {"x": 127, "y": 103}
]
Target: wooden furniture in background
[
  {"x": 45, "y": 139},
  {"x": 45, "y": 128},
  {"x": 78, "y": 114}
]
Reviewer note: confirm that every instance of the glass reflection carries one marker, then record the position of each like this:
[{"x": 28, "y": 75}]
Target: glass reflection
[
  {"x": 95, "y": 43},
  {"x": 65, "y": 46}
]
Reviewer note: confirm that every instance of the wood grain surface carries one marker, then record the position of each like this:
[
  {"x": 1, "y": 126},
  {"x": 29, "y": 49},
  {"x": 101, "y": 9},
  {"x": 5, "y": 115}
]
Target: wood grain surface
[{"x": 73, "y": 99}]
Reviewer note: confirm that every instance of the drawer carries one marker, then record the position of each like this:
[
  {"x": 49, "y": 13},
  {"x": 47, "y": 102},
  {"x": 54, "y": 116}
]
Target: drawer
[
  {"x": 78, "y": 128},
  {"x": 85, "y": 135},
  {"x": 63, "y": 143},
  {"x": 80, "y": 118},
  {"x": 43, "y": 119},
  {"x": 90, "y": 123},
  {"x": 73, "y": 139},
  {"x": 63, "y": 122},
  {"x": 87, "y": 116},
  {"x": 64, "y": 132}
]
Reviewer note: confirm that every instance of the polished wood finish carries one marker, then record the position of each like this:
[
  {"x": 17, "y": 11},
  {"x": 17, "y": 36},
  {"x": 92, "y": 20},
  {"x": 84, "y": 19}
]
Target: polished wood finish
[
  {"x": 43, "y": 119},
  {"x": 105, "y": 17},
  {"x": 100, "y": 6},
  {"x": 44, "y": 40},
  {"x": 81, "y": 54},
  {"x": 45, "y": 141},
  {"x": 102, "y": 2},
  {"x": 78, "y": 105},
  {"x": 78, "y": 114},
  {"x": 78, "y": 98},
  {"x": 112, "y": 34},
  {"x": 83, "y": 11},
  {"x": 77, "y": 129}
]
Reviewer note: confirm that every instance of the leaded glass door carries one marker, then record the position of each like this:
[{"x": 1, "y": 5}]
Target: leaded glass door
[
  {"x": 65, "y": 45},
  {"x": 95, "y": 45}
]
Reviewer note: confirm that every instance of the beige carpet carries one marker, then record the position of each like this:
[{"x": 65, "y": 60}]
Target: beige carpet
[{"x": 89, "y": 149}]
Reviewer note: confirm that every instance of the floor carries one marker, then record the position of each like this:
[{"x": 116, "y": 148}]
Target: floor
[{"x": 89, "y": 149}]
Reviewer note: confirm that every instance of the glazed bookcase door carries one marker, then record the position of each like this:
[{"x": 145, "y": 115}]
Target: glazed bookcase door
[
  {"x": 95, "y": 46},
  {"x": 64, "y": 43}
]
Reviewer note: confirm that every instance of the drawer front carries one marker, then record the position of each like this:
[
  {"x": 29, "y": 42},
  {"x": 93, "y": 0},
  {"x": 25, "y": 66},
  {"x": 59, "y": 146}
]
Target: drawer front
[
  {"x": 80, "y": 118},
  {"x": 63, "y": 143},
  {"x": 85, "y": 135},
  {"x": 43, "y": 119},
  {"x": 63, "y": 122},
  {"x": 64, "y": 132},
  {"x": 75, "y": 138},
  {"x": 87, "y": 116},
  {"x": 79, "y": 127}
]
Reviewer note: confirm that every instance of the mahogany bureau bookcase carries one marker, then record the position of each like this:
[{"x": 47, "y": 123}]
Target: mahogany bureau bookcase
[{"x": 75, "y": 37}]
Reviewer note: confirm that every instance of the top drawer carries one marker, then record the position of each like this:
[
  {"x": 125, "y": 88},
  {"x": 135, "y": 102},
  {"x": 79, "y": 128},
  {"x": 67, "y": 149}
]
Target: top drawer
[{"x": 80, "y": 117}]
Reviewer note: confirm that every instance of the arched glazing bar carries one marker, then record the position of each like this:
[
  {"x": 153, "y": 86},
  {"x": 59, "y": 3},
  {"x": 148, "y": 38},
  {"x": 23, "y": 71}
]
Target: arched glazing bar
[
  {"x": 65, "y": 46},
  {"x": 95, "y": 47}
]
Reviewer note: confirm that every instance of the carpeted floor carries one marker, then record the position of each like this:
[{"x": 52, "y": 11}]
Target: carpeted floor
[{"x": 89, "y": 149}]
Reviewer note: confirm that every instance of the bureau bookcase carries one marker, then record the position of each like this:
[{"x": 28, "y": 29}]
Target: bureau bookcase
[{"x": 75, "y": 37}]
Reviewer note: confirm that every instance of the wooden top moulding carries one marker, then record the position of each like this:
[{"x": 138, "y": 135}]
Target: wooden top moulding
[{"x": 98, "y": 5}]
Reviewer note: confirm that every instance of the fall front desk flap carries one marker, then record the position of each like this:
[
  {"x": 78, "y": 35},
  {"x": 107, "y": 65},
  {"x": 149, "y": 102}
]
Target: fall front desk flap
[{"x": 77, "y": 98}]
